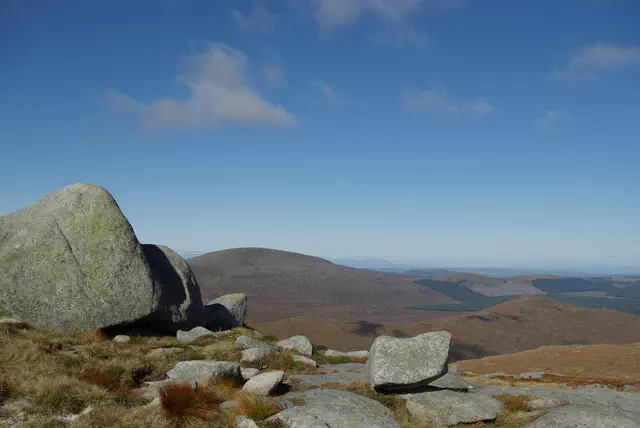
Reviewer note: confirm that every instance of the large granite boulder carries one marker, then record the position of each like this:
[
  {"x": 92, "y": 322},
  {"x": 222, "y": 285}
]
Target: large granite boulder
[
  {"x": 226, "y": 311},
  {"x": 451, "y": 408},
  {"x": 587, "y": 417},
  {"x": 332, "y": 408},
  {"x": 71, "y": 262},
  {"x": 405, "y": 365}
]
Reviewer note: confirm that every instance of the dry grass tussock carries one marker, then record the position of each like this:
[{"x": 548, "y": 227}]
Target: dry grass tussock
[
  {"x": 256, "y": 407},
  {"x": 181, "y": 402},
  {"x": 515, "y": 403},
  {"x": 64, "y": 375}
]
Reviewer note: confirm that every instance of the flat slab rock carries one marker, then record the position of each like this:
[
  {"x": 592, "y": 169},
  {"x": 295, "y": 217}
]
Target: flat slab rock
[
  {"x": 587, "y": 417},
  {"x": 404, "y": 365},
  {"x": 447, "y": 407},
  {"x": 254, "y": 354},
  {"x": 193, "y": 370},
  {"x": 193, "y": 334},
  {"x": 329, "y": 408}
]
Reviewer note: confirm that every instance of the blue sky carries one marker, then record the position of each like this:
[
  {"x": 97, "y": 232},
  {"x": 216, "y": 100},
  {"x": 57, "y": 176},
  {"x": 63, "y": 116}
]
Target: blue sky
[{"x": 455, "y": 132}]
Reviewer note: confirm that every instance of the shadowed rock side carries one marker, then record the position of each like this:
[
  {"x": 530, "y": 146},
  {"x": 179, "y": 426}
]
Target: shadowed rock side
[{"x": 71, "y": 262}]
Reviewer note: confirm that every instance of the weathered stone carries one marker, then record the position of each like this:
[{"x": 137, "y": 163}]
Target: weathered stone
[
  {"x": 16, "y": 406},
  {"x": 532, "y": 375},
  {"x": 247, "y": 342},
  {"x": 265, "y": 383},
  {"x": 450, "y": 408},
  {"x": 13, "y": 322},
  {"x": 333, "y": 408},
  {"x": 122, "y": 338},
  {"x": 245, "y": 422},
  {"x": 226, "y": 311},
  {"x": 587, "y": 417},
  {"x": 403, "y": 365},
  {"x": 350, "y": 354},
  {"x": 305, "y": 360},
  {"x": 193, "y": 334},
  {"x": 248, "y": 372},
  {"x": 71, "y": 262},
  {"x": 193, "y": 370},
  {"x": 254, "y": 354},
  {"x": 300, "y": 344}
]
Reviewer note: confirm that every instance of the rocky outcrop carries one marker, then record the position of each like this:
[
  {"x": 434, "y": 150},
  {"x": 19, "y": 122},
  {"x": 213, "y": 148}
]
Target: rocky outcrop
[
  {"x": 71, "y": 262},
  {"x": 226, "y": 311},
  {"x": 300, "y": 344},
  {"x": 333, "y": 408},
  {"x": 586, "y": 417},
  {"x": 405, "y": 365},
  {"x": 450, "y": 408},
  {"x": 247, "y": 342}
]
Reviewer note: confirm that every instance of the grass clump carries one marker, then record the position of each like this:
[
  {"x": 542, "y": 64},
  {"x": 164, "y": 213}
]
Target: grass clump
[
  {"x": 283, "y": 360},
  {"x": 65, "y": 395},
  {"x": 256, "y": 407},
  {"x": 323, "y": 359},
  {"x": 181, "y": 403},
  {"x": 515, "y": 403}
]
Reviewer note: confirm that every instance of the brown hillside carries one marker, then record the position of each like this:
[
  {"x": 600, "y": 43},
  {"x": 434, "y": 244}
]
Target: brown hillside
[
  {"x": 284, "y": 284},
  {"x": 612, "y": 362},
  {"x": 517, "y": 325}
]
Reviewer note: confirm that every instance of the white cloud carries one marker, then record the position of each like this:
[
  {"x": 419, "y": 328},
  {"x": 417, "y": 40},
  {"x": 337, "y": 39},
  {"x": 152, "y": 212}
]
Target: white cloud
[
  {"x": 218, "y": 93},
  {"x": 258, "y": 19},
  {"x": 328, "y": 91},
  {"x": 438, "y": 101},
  {"x": 550, "y": 119},
  {"x": 273, "y": 74},
  {"x": 332, "y": 14},
  {"x": 588, "y": 62}
]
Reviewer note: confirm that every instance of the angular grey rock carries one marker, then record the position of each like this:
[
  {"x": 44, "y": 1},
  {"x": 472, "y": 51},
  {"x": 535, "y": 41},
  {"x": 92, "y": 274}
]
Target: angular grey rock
[
  {"x": 13, "y": 322},
  {"x": 245, "y": 422},
  {"x": 247, "y": 342},
  {"x": 248, "y": 372},
  {"x": 350, "y": 354},
  {"x": 226, "y": 311},
  {"x": 122, "y": 338},
  {"x": 71, "y": 262},
  {"x": 300, "y": 344},
  {"x": 198, "y": 369},
  {"x": 305, "y": 360},
  {"x": 403, "y": 365},
  {"x": 193, "y": 334},
  {"x": 587, "y": 417},
  {"x": 450, "y": 408},
  {"x": 265, "y": 383},
  {"x": 333, "y": 408},
  {"x": 544, "y": 403},
  {"x": 254, "y": 354},
  {"x": 163, "y": 352}
]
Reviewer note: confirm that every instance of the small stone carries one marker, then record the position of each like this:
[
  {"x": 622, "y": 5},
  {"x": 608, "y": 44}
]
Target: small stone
[
  {"x": 231, "y": 404},
  {"x": 300, "y": 344},
  {"x": 193, "y": 334},
  {"x": 247, "y": 342},
  {"x": 305, "y": 360},
  {"x": 245, "y": 422},
  {"x": 248, "y": 372},
  {"x": 265, "y": 383},
  {"x": 254, "y": 354},
  {"x": 122, "y": 338}
]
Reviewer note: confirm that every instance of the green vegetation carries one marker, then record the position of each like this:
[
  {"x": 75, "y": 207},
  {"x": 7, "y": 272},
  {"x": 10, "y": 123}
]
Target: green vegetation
[{"x": 471, "y": 301}]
